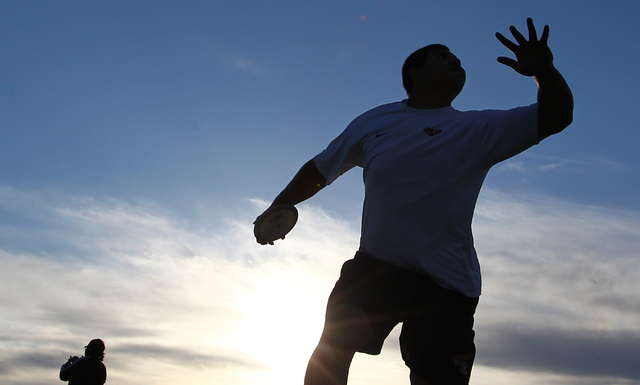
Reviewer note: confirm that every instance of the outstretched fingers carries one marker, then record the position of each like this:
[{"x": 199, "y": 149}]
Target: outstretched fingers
[
  {"x": 508, "y": 62},
  {"x": 520, "y": 39},
  {"x": 506, "y": 42},
  {"x": 545, "y": 35},
  {"x": 513, "y": 47},
  {"x": 518, "y": 36},
  {"x": 533, "y": 34},
  {"x": 532, "y": 55}
]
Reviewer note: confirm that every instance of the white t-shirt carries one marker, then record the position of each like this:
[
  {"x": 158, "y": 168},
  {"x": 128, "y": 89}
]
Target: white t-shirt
[{"x": 423, "y": 170}]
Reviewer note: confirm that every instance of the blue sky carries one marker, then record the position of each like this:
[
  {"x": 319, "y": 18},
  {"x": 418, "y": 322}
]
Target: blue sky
[{"x": 139, "y": 140}]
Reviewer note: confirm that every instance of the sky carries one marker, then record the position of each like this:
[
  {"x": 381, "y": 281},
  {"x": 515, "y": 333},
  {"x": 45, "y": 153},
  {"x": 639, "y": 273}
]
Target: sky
[{"x": 139, "y": 141}]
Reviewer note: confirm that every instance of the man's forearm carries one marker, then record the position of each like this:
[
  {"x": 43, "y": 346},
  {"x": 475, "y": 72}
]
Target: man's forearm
[
  {"x": 555, "y": 103},
  {"x": 305, "y": 184}
]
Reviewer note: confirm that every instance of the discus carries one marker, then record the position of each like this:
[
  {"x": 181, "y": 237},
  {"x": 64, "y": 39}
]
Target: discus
[{"x": 275, "y": 223}]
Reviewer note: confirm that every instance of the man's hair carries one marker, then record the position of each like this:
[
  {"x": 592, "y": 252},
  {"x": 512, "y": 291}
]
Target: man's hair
[
  {"x": 95, "y": 348},
  {"x": 417, "y": 59}
]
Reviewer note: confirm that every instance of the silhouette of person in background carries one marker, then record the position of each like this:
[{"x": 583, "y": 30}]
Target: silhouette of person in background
[{"x": 86, "y": 370}]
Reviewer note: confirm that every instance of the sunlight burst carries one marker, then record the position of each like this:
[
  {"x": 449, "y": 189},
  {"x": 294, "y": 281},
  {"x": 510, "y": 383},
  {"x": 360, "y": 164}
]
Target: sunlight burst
[{"x": 282, "y": 322}]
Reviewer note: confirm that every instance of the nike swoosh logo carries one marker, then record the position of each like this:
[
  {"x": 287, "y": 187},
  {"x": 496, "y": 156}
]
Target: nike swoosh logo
[{"x": 379, "y": 135}]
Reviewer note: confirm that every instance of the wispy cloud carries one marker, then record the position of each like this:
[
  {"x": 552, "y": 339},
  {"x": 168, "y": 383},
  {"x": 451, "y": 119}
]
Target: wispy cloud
[
  {"x": 160, "y": 290},
  {"x": 535, "y": 163},
  {"x": 178, "y": 298},
  {"x": 607, "y": 355},
  {"x": 561, "y": 287},
  {"x": 242, "y": 62}
]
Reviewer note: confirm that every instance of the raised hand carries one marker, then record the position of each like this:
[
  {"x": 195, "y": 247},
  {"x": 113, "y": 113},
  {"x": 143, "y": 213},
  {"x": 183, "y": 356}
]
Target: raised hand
[{"x": 533, "y": 56}]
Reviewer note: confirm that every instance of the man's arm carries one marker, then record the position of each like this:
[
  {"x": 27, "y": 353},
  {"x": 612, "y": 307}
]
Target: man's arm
[
  {"x": 305, "y": 184},
  {"x": 68, "y": 369},
  {"x": 534, "y": 58}
]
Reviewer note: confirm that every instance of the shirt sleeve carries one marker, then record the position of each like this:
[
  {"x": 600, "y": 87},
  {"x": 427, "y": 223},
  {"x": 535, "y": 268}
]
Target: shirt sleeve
[
  {"x": 509, "y": 132},
  {"x": 341, "y": 155},
  {"x": 64, "y": 374},
  {"x": 67, "y": 371}
]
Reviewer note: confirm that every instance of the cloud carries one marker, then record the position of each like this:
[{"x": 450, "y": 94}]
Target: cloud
[
  {"x": 560, "y": 287},
  {"x": 163, "y": 292},
  {"x": 241, "y": 63},
  {"x": 512, "y": 166},
  {"x": 579, "y": 353},
  {"x": 528, "y": 162},
  {"x": 197, "y": 298},
  {"x": 178, "y": 356},
  {"x": 32, "y": 360}
]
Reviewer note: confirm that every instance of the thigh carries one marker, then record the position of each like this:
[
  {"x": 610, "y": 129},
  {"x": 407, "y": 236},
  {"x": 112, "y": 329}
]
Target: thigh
[
  {"x": 363, "y": 299},
  {"x": 346, "y": 328},
  {"x": 437, "y": 339}
]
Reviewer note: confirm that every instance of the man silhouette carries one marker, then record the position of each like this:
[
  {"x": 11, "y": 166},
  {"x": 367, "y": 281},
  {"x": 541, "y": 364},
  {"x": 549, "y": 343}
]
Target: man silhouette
[
  {"x": 424, "y": 164},
  {"x": 86, "y": 370}
]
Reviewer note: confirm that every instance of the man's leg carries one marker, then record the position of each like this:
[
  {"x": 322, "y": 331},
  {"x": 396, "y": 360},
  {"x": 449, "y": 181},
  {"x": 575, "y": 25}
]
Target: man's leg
[
  {"x": 346, "y": 330},
  {"x": 437, "y": 344},
  {"x": 415, "y": 380}
]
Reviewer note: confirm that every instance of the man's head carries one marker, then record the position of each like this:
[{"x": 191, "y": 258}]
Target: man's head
[
  {"x": 433, "y": 69},
  {"x": 95, "y": 348}
]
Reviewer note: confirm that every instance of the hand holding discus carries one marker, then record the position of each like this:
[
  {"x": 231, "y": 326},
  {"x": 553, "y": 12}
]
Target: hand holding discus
[{"x": 275, "y": 223}]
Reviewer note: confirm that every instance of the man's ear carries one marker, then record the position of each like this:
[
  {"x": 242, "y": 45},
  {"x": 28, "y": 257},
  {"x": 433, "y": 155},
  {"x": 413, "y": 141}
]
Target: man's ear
[{"x": 415, "y": 73}]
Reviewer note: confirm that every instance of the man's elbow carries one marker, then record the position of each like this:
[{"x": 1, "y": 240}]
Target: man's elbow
[
  {"x": 564, "y": 122},
  {"x": 548, "y": 127}
]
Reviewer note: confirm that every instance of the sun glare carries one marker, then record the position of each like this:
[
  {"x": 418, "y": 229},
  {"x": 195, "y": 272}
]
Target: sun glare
[{"x": 282, "y": 322}]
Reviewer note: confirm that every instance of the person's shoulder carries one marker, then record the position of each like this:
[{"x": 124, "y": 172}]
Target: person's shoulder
[
  {"x": 496, "y": 113},
  {"x": 497, "y": 110},
  {"x": 383, "y": 109},
  {"x": 90, "y": 361},
  {"x": 377, "y": 112},
  {"x": 393, "y": 106}
]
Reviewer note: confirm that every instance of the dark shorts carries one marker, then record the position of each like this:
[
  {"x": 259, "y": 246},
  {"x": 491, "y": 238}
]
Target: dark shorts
[{"x": 437, "y": 324}]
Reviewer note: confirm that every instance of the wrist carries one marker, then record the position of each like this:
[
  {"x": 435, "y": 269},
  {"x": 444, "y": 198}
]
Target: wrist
[{"x": 547, "y": 73}]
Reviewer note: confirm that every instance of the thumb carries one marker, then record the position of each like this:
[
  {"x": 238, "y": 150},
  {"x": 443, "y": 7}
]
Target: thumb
[{"x": 508, "y": 62}]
